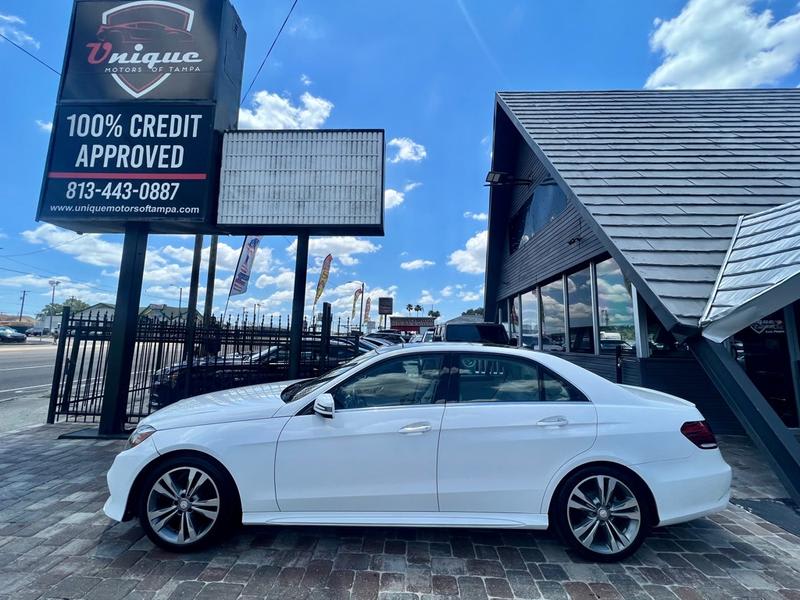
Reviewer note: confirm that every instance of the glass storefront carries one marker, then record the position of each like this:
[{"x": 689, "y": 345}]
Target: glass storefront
[
  {"x": 579, "y": 309},
  {"x": 553, "y": 327},
  {"x": 530, "y": 319},
  {"x": 763, "y": 352},
  {"x": 614, "y": 309}
]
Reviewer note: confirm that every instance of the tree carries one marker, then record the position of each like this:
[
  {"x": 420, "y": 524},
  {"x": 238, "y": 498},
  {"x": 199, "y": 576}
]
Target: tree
[
  {"x": 474, "y": 311},
  {"x": 417, "y": 309},
  {"x": 434, "y": 313},
  {"x": 55, "y": 310},
  {"x": 409, "y": 308}
]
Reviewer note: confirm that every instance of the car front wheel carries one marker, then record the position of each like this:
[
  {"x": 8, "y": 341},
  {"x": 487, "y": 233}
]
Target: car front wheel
[
  {"x": 186, "y": 503},
  {"x": 603, "y": 513}
]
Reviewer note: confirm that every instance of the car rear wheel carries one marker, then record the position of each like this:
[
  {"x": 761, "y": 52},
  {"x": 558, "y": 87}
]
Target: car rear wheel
[
  {"x": 186, "y": 503},
  {"x": 602, "y": 512}
]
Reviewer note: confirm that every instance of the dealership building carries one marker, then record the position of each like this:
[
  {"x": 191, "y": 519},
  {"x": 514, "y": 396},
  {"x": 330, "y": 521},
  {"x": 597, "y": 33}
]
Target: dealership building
[{"x": 653, "y": 237}]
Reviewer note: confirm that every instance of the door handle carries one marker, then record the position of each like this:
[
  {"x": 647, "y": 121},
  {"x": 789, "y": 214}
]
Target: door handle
[
  {"x": 416, "y": 428},
  {"x": 557, "y": 421}
]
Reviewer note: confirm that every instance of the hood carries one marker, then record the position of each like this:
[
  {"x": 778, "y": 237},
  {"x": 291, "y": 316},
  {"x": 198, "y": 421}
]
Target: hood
[
  {"x": 655, "y": 398},
  {"x": 225, "y": 406}
]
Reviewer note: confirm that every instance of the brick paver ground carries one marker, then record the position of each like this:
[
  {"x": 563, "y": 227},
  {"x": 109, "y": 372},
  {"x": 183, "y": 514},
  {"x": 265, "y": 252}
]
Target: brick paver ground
[{"x": 55, "y": 542}]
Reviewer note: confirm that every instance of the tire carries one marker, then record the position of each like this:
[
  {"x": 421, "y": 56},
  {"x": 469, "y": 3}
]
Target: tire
[
  {"x": 186, "y": 503},
  {"x": 584, "y": 517}
]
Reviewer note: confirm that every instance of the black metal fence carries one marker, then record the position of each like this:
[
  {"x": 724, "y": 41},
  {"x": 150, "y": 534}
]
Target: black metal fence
[{"x": 165, "y": 369}]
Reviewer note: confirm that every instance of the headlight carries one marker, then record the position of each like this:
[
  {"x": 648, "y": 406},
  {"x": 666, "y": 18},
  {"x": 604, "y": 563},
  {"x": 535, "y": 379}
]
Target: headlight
[{"x": 139, "y": 435}]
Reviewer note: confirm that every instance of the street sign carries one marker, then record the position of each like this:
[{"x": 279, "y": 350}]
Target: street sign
[{"x": 385, "y": 306}]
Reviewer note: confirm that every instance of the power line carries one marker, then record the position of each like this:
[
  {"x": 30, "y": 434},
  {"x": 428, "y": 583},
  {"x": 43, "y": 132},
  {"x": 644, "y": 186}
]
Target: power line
[
  {"x": 40, "y": 250},
  {"x": 263, "y": 62},
  {"x": 33, "y": 56}
]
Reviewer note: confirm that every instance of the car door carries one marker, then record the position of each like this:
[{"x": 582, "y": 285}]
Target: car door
[
  {"x": 508, "y": 426},
  {"x": 378, "y": 452}
]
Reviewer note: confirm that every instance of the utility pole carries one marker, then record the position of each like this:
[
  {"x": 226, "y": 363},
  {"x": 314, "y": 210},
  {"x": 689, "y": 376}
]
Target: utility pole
[
  {"x": 210, "y": 280},
  {"x": 53, "y": 284},
  {"x": 22, "y": 305}
]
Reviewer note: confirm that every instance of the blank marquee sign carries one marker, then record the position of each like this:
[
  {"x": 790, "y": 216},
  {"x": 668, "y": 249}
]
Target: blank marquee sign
[{"x": 325, "y": 182}]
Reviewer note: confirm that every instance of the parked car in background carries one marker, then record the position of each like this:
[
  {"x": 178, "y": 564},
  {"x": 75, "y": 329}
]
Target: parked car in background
[
  {"x": 10, "y": 336},
  {"x": 488, "y": 333},
  {"x": 37, "y": 331},
  {"x": 378, "y": 341},
  {"x": 390, "y": 335},
  {"x": 210, "y": 373},
  {"x": 449, "y": 435}
]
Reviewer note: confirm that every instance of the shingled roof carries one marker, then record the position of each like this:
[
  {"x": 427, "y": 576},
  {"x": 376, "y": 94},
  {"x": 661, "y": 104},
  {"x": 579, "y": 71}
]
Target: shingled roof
[{"x": 667, "y": 174}]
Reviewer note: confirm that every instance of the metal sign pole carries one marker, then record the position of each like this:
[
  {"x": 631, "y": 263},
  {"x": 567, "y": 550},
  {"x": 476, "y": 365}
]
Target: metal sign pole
[
  {"x": 298, "y": 305},
  {"x": 212, "y": 274},
  {"x": 123, "y": 332},
  {"x": 191, "y": 311}
]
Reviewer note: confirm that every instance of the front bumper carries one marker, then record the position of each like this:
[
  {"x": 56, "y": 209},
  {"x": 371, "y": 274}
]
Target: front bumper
[
  {"x": 123, "y": 472},
  {"x": 689, "y": 488}
]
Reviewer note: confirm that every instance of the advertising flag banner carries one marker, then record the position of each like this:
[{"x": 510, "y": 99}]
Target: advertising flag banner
[
  {"x": 356, "y": 296},
  {"x": 323, "y": 277},
  {"x": 367, "y": 309},
  {"x": 242, "y": 275}
]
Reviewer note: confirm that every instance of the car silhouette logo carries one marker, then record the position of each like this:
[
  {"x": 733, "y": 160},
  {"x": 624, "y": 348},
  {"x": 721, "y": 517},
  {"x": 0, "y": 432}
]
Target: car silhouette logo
[{"x": 145, "y": 26}]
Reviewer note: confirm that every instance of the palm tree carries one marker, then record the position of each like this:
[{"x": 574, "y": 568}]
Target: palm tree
[
  {"x": 434, "y": 313},
  {"x": 417, "y": 309},
  {"x": 409, "y": 308}
]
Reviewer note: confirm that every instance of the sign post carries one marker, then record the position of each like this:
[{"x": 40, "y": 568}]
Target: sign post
[{"x": 148, "y": 87}]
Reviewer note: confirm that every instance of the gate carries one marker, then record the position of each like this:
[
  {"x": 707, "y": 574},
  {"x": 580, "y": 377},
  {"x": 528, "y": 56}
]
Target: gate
[{"x": 226, "y": 354}]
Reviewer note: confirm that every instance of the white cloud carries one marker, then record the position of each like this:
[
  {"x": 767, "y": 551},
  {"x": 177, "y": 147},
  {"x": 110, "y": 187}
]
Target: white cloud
[
  {"x": 427, "y": 300},
  {"x": 271, "y": 111},
  {"x": 472, "y": 258},
  {"x": 11, "y": 27},
  {"x": 447, "y": 291},
  {"x": 46, "y": 126},
  {"x": 411, "y": 186},
  {"x": 476, "y": 216},
  {"x": 419, "y": 263},
  {"x": 39, "y": 287},
  {"x": 89, "y": 248},
  {"x": 305, "y": 79},
  {"x": 724, "y": 44},
  {"x": 407, "y": 150},
  {"x": 393, "y": 198},
  {"x": 283, "y": 280},
  {"x": 342, "y": 247},
  {"x": 470, "y": 296}
]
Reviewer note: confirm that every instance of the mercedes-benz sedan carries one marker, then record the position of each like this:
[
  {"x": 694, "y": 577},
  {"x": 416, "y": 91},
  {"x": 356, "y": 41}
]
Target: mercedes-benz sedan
[{"x": 450, "y": 435}]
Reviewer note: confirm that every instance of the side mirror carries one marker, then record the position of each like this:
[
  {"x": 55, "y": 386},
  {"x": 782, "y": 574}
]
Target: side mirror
[{"x": 324, "y": 406}]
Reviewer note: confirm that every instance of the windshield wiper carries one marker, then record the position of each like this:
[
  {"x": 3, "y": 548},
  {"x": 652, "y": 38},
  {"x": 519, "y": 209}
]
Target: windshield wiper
[{"x": 288, "y": 394}]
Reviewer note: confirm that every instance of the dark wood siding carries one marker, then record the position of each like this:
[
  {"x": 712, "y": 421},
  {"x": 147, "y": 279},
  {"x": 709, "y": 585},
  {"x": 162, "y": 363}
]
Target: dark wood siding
[{"x": 549, "y": 252}]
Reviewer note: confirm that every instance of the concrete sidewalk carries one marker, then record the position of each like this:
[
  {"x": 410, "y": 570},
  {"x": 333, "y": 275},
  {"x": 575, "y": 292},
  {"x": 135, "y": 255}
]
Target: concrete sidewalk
[{"x": 55, "y": 542}]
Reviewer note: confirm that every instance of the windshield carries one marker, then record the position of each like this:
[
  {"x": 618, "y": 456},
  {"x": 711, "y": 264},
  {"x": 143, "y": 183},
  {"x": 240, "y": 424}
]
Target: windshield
[{"x": 304, "y": 388}]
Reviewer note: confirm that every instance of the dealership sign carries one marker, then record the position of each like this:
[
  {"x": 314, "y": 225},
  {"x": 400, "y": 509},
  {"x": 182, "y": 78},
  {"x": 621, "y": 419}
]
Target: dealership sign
[
  {"x": 148, "y": 88},
  {"x": 143, "y": 49}
]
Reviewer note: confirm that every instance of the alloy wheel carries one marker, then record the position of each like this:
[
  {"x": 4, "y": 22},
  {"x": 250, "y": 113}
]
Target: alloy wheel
[
  {"x": 183, "y": 505},
  {"x": 604, "y": 514}
]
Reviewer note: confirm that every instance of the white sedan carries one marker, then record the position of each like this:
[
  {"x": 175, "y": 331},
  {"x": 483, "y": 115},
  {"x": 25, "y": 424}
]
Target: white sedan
[{"x": 434, "y": 435}]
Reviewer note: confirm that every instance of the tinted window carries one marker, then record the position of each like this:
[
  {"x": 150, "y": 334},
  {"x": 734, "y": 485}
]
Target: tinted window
[
  {"x": 530, "y": 320},
  {"x": 579, "y": 296},
  {"x": 405, "y": 380},
  {"x": 615, "y": 309},
  {"x": 553, "y": 333},
  {"x": 477, "y": 332},
  {"x": 494, "y": 378},
  {"x": 547, "y": 202}
]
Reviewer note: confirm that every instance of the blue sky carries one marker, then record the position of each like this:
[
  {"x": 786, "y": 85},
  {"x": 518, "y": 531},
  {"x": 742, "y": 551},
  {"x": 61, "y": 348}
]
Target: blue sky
[{"x": 427, "y": 73}]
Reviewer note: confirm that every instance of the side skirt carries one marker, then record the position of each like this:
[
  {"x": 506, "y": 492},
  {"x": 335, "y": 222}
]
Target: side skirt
[{"x": 411, "y": 519}]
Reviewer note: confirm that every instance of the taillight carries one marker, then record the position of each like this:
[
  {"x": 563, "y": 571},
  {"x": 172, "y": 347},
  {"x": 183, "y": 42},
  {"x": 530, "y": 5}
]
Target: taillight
[{"x": 700, "y": 434}]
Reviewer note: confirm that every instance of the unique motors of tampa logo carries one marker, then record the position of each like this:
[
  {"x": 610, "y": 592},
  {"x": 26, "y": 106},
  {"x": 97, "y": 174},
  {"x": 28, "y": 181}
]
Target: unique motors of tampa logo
[{"x": 141, "y": 44}]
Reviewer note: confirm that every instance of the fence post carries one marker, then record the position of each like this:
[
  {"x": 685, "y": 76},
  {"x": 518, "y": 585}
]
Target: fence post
[
  {"x": 57, "y": 370},
  {"x": 618, "y": 353},
  {"x": 325, "y": 334}
]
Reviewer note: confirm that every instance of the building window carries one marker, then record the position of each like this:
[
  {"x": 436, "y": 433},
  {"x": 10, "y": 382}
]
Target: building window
[
  {"x": 615, "y": 309},
  {"x": 579, "y": 306},
  {"x": 530, "y": 320},
  {"x": 502, "y": 316},
  {"x": 553, "y": 329},
  {"x": 546, "y": 203},
  {"x": 660, "y": 341},
  {"x": 513, "y": 309}
]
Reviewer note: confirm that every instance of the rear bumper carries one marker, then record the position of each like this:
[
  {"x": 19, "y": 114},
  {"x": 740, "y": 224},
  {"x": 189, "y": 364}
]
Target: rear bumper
[{"x": 689, "y": 488}]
